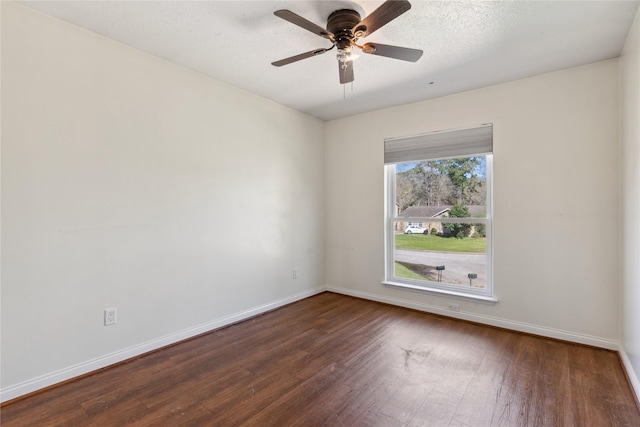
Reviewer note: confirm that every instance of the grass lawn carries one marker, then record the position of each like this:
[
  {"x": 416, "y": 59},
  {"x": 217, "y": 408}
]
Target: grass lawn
[
  {"x": 402, "y": 271},
  {"x": 428, "y": 242}
]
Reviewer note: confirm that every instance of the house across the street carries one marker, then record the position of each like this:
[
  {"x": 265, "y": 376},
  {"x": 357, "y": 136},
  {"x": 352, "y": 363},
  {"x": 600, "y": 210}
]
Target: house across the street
[{"x": 412, "y": 213}]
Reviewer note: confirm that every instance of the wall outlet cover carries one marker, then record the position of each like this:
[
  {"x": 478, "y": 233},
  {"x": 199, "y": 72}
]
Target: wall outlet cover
[{"x": 110, "y": 316}]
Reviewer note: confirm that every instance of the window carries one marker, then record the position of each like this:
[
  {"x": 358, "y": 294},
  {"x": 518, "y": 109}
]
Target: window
[{"x": 438, "y": 212}]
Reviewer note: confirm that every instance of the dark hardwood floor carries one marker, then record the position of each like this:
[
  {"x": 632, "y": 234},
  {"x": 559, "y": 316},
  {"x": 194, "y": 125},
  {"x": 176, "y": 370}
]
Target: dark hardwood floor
[{"x": 333, "y": 360}]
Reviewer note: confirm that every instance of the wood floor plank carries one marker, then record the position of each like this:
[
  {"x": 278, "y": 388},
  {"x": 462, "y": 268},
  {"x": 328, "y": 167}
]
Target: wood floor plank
[{"x": 334, "y": 360}]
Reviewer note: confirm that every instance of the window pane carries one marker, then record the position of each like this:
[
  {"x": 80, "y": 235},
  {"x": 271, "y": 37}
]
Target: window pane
[
  {"x": 447, "y": 260},
  {"x": 432, "y": 188}
]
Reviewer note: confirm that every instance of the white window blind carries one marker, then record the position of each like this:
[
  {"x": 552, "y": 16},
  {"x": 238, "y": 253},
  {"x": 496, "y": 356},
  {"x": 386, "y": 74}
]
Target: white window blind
[{"x": 439, "y": 145}]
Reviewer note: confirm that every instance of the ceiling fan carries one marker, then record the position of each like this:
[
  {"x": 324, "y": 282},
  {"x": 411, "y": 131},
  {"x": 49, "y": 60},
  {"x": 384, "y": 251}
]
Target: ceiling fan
[{"x": 344, "y": 28}]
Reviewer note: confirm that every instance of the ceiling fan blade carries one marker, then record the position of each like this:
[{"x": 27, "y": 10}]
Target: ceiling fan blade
[
  {"x": 386, "y": 13},
  {"x": 346, "y": 71},
  {"x": 395, "y": 52},
  {"x": 298, "y": 20},
  {"x": 296, "y": 58}
]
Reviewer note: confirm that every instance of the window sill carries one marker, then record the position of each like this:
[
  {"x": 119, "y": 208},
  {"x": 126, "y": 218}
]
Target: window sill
[{"x": 483, "y": 298}]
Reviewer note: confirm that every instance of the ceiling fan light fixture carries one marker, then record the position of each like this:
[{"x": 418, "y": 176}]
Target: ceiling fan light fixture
[{"x": 345, "y": 55}]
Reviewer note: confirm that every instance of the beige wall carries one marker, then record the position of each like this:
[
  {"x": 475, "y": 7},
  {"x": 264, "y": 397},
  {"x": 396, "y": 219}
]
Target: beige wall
[
  {"x": 131, "y": 182},
  {"x": 555, "y": 175},
  {"x": 630, "y": 219}
]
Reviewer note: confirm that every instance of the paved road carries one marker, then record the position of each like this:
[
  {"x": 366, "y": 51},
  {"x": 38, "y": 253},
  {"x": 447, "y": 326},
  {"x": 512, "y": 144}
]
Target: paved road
[{"x": 457, "y": 265}]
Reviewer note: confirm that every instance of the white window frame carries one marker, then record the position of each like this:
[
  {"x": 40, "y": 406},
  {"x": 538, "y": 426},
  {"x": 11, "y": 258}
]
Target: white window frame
[{"x": 391, "y": 219}]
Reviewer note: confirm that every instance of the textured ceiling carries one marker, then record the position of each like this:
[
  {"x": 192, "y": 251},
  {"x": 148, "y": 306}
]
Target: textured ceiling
[{"x": 467, "y": 44}]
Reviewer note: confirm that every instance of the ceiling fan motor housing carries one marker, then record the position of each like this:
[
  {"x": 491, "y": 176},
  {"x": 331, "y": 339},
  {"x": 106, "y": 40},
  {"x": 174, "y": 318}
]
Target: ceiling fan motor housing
[{"x": 341, "y": 23}]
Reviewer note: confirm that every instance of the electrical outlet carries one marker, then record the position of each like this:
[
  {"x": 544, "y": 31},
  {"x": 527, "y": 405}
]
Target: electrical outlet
[
  {"x": 453, "y": 307},
  {"x": 110, "y": 316},
  {"x": 295, "y": 273}
]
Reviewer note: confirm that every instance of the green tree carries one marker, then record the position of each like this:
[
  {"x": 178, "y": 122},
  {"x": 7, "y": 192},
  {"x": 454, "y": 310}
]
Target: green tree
[
  {"x": 456, "y": 229},
  {"x": 464, "y": 176},
  {"x": 460, "y": 181}
]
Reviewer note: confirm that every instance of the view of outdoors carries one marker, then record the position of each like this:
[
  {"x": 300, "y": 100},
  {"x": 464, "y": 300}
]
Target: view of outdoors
[{"x": 432, "y": 242}]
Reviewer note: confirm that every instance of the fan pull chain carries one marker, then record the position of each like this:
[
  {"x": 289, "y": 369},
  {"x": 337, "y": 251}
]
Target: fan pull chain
[{"x": 344, "y": 90}]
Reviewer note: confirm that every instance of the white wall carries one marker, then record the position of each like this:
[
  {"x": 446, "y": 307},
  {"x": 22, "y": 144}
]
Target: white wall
[
  {"x": 131, "y": 182},
  {"x": 630, "y": 230},
  {"x": 556, "y": 201}
]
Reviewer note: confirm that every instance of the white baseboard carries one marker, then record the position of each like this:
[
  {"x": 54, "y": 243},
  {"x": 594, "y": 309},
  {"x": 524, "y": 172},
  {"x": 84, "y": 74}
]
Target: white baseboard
[
  {"x": 29, "y": 386},
  {"x": 487, "y": 320},
  {"x": 634, "y": 379}
]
